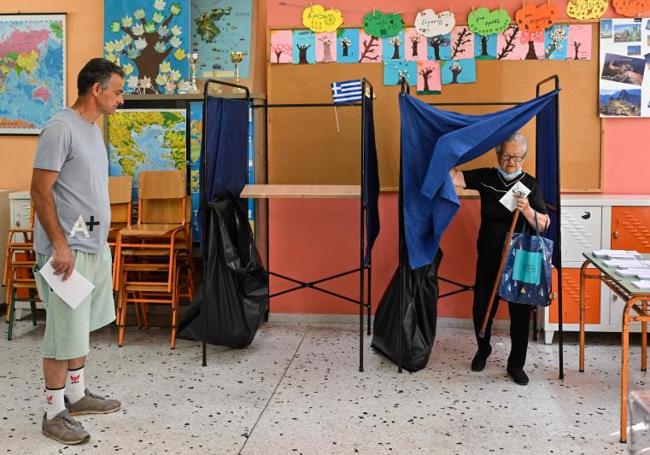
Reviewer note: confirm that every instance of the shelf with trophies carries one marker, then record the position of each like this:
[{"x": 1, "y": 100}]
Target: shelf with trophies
[{"x": 165, "y": 131}]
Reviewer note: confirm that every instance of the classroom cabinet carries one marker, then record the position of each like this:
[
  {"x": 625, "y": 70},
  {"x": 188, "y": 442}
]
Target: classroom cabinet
[{"x": 590, "y": 223}]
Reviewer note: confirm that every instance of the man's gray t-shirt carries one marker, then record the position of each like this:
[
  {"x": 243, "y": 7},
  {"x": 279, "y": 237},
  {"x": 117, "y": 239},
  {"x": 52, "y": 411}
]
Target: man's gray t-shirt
[{"x": 74, "y": 147}]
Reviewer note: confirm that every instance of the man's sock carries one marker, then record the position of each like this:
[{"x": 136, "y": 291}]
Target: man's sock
[
  {"x": 54, "y": 401},
  {"x": 74, "y": 385}
]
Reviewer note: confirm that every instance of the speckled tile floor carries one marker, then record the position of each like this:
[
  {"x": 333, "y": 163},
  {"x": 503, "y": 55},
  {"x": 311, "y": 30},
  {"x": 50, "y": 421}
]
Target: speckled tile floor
[{"x": 297, "y": 389}]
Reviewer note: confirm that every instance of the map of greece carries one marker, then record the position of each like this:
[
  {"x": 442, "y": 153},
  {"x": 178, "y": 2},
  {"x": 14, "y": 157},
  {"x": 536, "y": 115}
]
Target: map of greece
[{"x": 32, "y": 71}]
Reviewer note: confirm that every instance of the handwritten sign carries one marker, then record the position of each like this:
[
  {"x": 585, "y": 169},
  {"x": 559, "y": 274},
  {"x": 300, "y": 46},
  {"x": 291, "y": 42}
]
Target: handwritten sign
[
  {"x": 484, "y": 22},
  {"x": 533, "y": 18},
  {"x": 382, "y": 25},
  {"x": 318, "y": 19},
  {"x": 430, "y": 24},
  {"x": 584, "y": 10},
  {"x": 631, "y": 8}
]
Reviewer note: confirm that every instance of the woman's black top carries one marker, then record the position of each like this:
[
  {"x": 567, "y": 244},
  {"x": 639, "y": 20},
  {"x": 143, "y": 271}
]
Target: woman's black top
[{"x": 495, "y": 218}]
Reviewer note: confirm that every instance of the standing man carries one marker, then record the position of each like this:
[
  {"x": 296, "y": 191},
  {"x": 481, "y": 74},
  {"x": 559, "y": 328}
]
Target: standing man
[{"x": 70, "y": 196}]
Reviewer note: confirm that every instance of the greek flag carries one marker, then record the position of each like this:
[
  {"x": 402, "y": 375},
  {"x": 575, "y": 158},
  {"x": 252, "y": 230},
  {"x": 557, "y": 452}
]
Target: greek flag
[{"x": 346, "y": 92}]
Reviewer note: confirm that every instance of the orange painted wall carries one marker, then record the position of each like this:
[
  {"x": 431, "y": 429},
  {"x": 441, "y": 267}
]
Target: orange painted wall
[{"x": 626, "y": 161}]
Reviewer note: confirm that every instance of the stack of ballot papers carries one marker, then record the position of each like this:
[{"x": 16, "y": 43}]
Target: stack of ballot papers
[
  {"x": 616, "y": 254},
  {"x": 643, "y": 284}
]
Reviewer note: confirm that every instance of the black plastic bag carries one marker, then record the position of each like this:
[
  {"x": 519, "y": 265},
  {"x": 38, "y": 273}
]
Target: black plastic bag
[
  {"x": 418, "y": 318},
  {"x": 237, "y": 283}
]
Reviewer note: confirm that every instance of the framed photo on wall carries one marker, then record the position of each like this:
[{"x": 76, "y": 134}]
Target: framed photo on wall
[{"x": 32, "y": 71}]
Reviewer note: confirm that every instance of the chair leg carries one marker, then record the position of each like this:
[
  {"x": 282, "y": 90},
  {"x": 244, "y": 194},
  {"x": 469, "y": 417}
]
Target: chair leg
[
  {"x": 121, "y": 317},
  {"x": 12, "y": 314},
  {"x": 32, "y": 306}
]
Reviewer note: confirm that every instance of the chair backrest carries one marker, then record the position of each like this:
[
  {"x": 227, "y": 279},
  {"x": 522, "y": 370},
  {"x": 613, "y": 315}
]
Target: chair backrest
[
  {"x": 162, "y": 197},
  {"x": 120, "y": 194}
]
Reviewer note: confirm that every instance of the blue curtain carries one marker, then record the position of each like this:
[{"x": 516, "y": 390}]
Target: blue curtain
[
  {"x": 433, "y": 142},
  {"x": 225, "y": 123},
  {"x": 546, "y": 170},
  {"x": 371, "y": 200}
]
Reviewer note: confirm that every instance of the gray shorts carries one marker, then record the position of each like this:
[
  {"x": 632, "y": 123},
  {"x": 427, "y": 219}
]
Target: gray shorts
[{"x": 66, "y": 330}]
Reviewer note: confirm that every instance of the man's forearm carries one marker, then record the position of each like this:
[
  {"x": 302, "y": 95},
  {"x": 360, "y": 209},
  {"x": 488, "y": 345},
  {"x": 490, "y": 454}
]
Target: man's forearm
[{"x": 45, "y": 208}]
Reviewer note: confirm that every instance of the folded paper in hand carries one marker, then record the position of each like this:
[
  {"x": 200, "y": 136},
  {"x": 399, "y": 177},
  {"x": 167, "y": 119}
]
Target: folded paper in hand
[
  {"x": 509, "y": 200},
  {"x": 72, "y": 291}
]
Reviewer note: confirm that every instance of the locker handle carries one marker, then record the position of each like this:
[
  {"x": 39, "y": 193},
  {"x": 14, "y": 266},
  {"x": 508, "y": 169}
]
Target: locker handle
[
  {"x": 616, "y": 234},
  {"x": 586, "y": 215}
]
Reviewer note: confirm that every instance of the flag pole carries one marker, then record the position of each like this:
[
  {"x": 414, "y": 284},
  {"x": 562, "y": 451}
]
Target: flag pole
[{"x": 336, "y": 116}]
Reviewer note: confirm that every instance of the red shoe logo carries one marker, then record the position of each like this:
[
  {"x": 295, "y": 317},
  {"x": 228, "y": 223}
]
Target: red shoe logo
[
  {"x": 49, "y": 398},
  {"x": 74, "y": 379}
]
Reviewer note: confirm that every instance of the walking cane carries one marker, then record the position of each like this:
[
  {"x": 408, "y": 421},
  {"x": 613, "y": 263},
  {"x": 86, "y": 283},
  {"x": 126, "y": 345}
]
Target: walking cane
[{"x": 506, "y": 250}]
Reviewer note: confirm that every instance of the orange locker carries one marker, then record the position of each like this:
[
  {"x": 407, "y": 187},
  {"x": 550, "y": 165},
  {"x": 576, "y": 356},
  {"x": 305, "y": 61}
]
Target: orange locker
[
  {"x": 571, "y": 298},
  {"x": 631, "y": 228}
]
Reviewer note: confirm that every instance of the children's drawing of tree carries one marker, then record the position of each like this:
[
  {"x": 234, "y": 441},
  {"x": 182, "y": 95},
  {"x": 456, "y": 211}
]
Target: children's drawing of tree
[
  {"x": 415, "y": 40},
  {"x": 345, "y": 44},
  {"x": 464, "y": 37},
  {"x": 369, "y": 48},
  {"x": 279, "y": 49},
  {"x": 148, "y": 42},
  {"x": 426, "y": 75},
  {"x": 436, "y": 43},
  {"x": 302, "y": 52},
  {"x": 326, "y": 40},
  {"x": 510, "y": 36},
  {"x": 396, "y": 42},
  {"x": 555, "y": 38},
  {"x": 576, "y": 46},
  {"x": 455, "y": 69},
  {"x": 484, "y": 46}
]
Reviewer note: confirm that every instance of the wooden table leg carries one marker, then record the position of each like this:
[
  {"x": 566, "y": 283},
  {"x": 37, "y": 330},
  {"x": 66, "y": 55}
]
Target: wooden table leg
[
  {"x": 583, "y": 271},
  {"x": 644, "y": 338},
  {"x": 624, "y": 368}
]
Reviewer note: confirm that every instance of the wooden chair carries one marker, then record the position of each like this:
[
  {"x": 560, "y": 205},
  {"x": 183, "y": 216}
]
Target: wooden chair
[
  {"x": 153, "y": 256},
  {"x": 120, "y": 193},
  {"x": 18, "y": 276}
]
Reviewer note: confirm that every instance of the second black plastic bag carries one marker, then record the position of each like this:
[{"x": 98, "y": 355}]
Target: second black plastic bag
[
  {"x": 418, "y": 316},
  {"x": 237, "y": 283}
]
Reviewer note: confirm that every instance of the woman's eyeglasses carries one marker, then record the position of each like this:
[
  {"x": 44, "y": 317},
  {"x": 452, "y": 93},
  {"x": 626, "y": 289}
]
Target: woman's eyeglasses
[{"x": 514, "y": 158}]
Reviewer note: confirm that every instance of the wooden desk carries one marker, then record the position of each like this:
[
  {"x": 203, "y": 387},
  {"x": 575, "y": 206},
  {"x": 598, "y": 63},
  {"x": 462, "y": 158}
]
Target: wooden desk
[{"x": 635, "y": 299}]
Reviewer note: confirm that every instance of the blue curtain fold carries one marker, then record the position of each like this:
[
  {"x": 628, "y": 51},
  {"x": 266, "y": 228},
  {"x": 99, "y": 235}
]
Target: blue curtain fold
[
  {"x": 433, "y": 142},
  {"x": 547, "y": 170},
  {"x": 371, "y": 169},
  {"x": 225, "y": 122}
]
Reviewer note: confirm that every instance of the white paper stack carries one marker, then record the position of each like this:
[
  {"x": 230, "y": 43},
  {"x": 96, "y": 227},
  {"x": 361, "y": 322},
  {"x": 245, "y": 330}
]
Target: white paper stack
[
  {"x": 616, "y": 254},
  {"x": 642, "y": 284},
  {"x": 626, "y": 263},
  {"x": 642, "y": 273}
]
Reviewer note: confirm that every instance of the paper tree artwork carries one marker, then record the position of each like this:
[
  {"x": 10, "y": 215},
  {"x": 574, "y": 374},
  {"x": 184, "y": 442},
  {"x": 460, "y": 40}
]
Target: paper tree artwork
[
  {"x": 304, "y": 47},
  {"x": 429, "y": 79},
  {"x": 382, "y": 25},
  {"x": 484, "y": 22},
  {"x": 462, "y": 43},
  {"x": 508, "y": 43},
  {"x": 347, "y": 45},
  {"x": 579, "y": 42},
  {"x": 150, "y": 40},
  {"x": 318, "y": 19},
  {"x": 439, "y": 47},
  {"x": 555, "y": 42},
  {"x": 458, "y": 71},
  {"x": 584, "y": 10},
  {"x": 326, "y": 47},
  {"x": 395, "y": 70},
  {"x": 485, "y": 47},
  {"x": 370, "y": 48},
  {"x": 281, "y": 46},
  {"x": 393, "y": 48},
  {"x": 415, "y": 45},
  {"x": 430, "y": 24},
  {"x": 533, "y": 18}
]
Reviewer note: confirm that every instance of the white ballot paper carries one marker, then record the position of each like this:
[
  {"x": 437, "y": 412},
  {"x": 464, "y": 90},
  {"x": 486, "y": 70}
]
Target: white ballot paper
[
  {"x": 509, "y": 199},
  {"x": 72, "y": 291},
  {"x": 643, "y": 284}
]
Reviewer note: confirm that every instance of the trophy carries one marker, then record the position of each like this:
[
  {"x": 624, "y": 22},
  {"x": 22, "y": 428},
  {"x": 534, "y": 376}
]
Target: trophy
[
  {"x": 194, "y": 63},
  {"x": 237, "y": 57}
]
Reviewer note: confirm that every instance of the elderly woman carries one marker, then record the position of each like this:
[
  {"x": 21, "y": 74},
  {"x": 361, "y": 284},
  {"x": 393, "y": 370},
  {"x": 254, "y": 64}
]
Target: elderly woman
[{"x": 492, "y": 184}]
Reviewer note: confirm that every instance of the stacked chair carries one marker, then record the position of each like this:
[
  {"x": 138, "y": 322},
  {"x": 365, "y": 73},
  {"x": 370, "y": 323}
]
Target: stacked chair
[
  {"x": 18, "y": 276},
  {"x": 153, "y": 258},
  {"x": 120, "y": 193}
]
